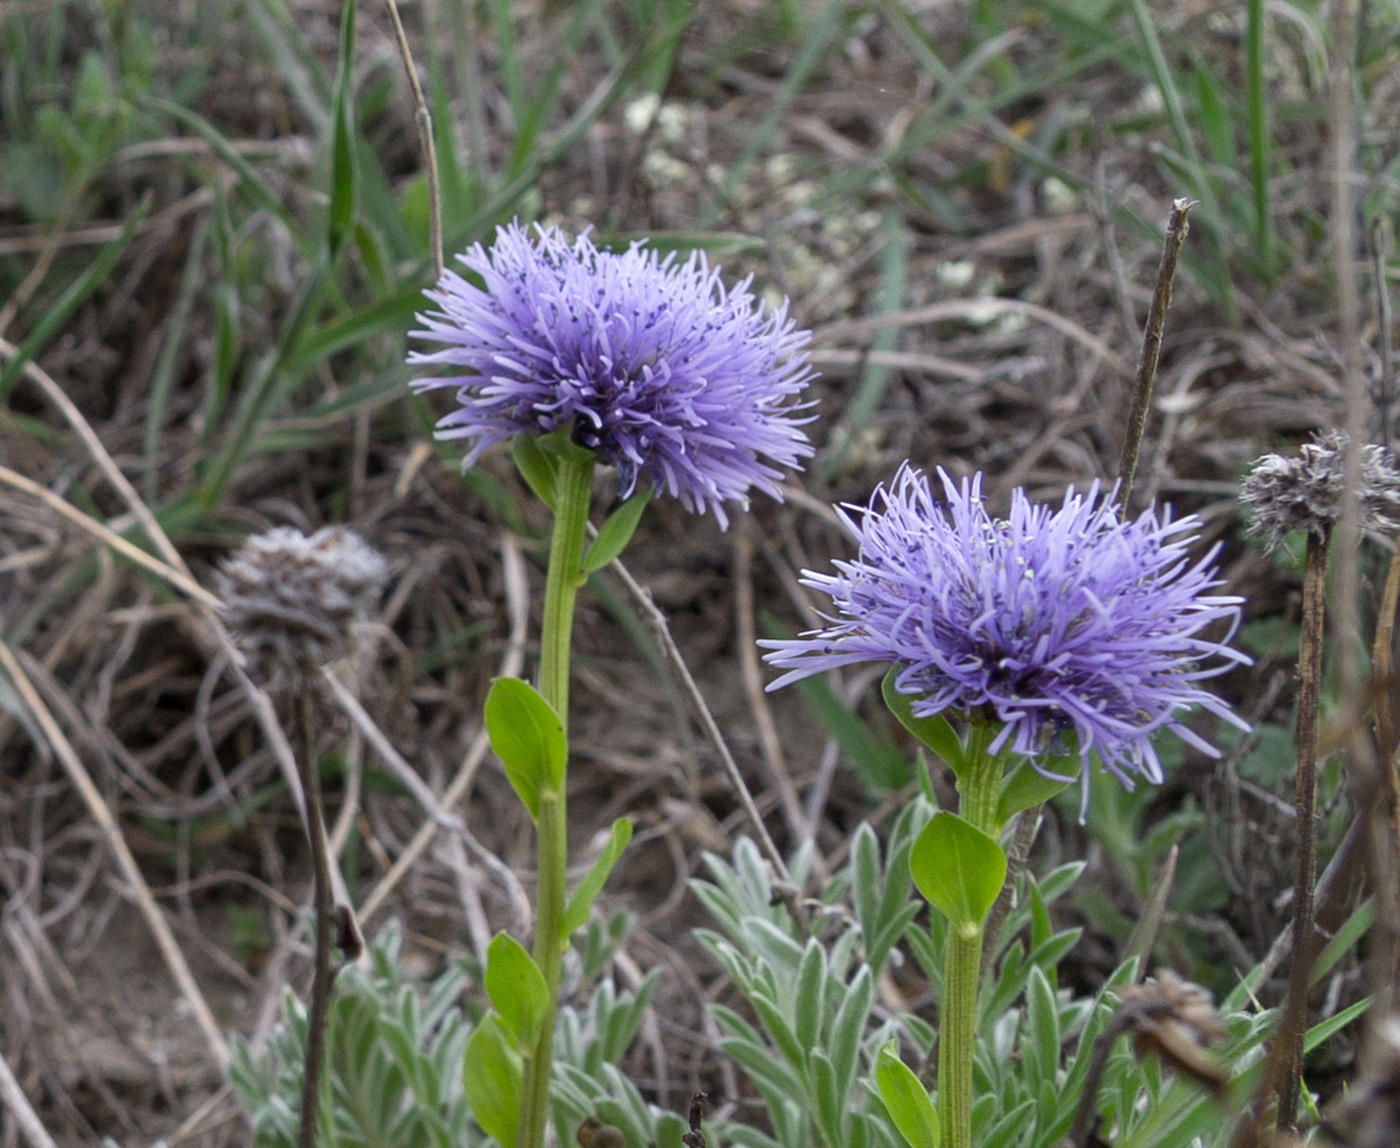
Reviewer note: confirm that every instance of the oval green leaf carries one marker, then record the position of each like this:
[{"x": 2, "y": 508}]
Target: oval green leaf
[
  {"x": 935, "y": 732},
  {"x": 516, "y": 987},
  {"x": 958, "y": 869},
  {"x": 906, "y": 1100},
  {"x": 535, "y": 466},
  {"x": 492, "y": 1077},
  {"x": 528, "y": 737}
]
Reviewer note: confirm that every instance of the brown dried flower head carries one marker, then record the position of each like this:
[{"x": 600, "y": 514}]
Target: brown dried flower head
[
  {"x": 1306, "y": 491},
  {"x": 295, "y": 603},
  {"x": 1176, "y": 1019}
]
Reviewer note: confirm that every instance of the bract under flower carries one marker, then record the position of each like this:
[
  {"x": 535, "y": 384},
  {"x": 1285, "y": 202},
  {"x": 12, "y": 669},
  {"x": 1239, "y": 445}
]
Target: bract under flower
[
  {"x": 670, "y": 376},
  {"x": 1049, "y": 622}
]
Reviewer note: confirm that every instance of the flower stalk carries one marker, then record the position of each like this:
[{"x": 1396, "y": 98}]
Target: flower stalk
[
  {"x": 572, "y": 496},
  {"x": 323, "y": 974},
  {"x": 1295, "y": 1022},
  {"x": 979, "y": 787}
]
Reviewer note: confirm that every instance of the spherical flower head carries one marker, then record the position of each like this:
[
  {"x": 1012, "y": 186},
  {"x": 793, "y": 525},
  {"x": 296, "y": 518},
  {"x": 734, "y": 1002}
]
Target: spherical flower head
[
  {"x": 294, "y": 604},
  {"x": 1307, "y": 491},
  {"x": 668, "y": 375},
  {"x": 1048, "y": 623}
]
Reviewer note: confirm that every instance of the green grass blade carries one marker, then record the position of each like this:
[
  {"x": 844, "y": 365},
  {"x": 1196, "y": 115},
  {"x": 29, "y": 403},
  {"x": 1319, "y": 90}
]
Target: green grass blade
[
  {"x": 58, "y": 313},
  {"x": 345, "y": 176},
  {"x": 820, "y": 32},
  {"x": 163, "y": 378},
  {"x": 1258, "y": 121},
  {"x": 229, "y": 154}
]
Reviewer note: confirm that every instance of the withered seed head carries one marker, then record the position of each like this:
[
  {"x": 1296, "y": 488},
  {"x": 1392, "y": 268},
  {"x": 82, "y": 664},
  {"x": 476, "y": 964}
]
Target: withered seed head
[
  {"x": 1306, "y": 491},
  {"x": 1176, "y": 1019},
  {"x": 295, "y": 603}
]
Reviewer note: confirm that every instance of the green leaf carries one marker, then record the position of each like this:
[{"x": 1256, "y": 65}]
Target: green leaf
[
  {"x": 581, "y": 903},
  {"x": 810, "y": 997},
  {"x": 345, "y": 174},
  {"x": 935, "y": 732},
  {"x": 535, "y": 466},
  {"x": 1025, "y": 786},
  {"x": 906, "y": 1100},
  {"x": 958, "y": 869},
  {"x": 517, "y": 988},
  {"x": 616, "y": 533},
  {"x": 528, "y": 737},
  {"x": 492, "y": 1076}
]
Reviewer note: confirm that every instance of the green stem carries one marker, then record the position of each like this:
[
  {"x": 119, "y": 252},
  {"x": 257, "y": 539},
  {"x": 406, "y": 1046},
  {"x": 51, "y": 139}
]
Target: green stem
[
  {"x": 979, "y": 789},
  {"x": 572, "y": 494}
]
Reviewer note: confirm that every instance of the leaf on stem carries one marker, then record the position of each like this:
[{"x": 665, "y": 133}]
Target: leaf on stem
[
  {"x": 958, "y": 869},
  {"x": 493, "y": 1078},
  {"x": 517, "y": 989},
  {"x": 1026, "y": 786},
  {"x": 615, "y": 533},
  {"x": 581, "y": 903},
  {"x": 528, "y": 737},
  {"x": 935, "y": 732},
  {"x": 906, "y": 1100}
]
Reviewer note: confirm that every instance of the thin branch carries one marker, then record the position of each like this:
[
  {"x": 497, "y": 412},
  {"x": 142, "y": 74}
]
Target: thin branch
[
  {"x": 1293, "y": 1027},
  {"x": 423, "y": 120},
  {"x": 1177, "y": 228},
  {"x": 656, "y": 622},
  {"x": 323, "y": 975},
  {"x": 769, "y": 743}
]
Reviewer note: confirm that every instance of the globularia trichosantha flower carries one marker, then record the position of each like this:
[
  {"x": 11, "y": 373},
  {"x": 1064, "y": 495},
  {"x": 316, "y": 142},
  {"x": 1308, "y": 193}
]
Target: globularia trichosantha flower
[
  {"x": 1048, "y": 623},
  {"x": 294, "y": 602},
  {"x": 636, "y": 360},
  {"x": 668, "y": 375},
  {"x": 1305, "y": 491}
]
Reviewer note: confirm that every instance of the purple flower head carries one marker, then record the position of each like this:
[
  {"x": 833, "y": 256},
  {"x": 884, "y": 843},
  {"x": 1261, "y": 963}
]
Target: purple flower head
[
  {"x": 1049, "y": 622},
  {"x": 664, "y": 372}
]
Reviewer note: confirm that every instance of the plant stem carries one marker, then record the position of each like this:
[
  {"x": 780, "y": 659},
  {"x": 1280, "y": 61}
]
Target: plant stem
[
  {"x": 1152, "y": 348},
  {"x": 318, "y": 1014},
  {"x": 1295, "y": 1018},
  {"x": 572, "y": 494},
  {"x": 979, "y": 788}
]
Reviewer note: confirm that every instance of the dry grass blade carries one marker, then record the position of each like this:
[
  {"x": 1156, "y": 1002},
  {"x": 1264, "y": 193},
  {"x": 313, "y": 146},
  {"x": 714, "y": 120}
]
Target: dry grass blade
[
  {"x": 179, "y": 578},
  {"x": 656, "y": 623},
  {"x": 54, "y": 393},
  {"x": 769, "y": 743},
  {"x": 111, "y": 832},
  {"x": 851, "y": 329},
  {"x": 30, "y": 1126}
]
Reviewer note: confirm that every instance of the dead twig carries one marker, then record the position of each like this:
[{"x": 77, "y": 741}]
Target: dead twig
[{"x": 1177, "y": 228}]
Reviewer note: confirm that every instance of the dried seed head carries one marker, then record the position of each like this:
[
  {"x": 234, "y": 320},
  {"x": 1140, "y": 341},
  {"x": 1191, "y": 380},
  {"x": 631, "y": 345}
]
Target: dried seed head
[
  {"x": 1176, "y": 1019},
  {"x": 294, "y": 604},
  {"x": 1306, "y": 491}
]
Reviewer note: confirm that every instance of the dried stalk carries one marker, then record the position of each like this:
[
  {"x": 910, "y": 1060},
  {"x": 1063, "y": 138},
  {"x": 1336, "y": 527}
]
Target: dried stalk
[{"x": 1177, "y": 228}]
